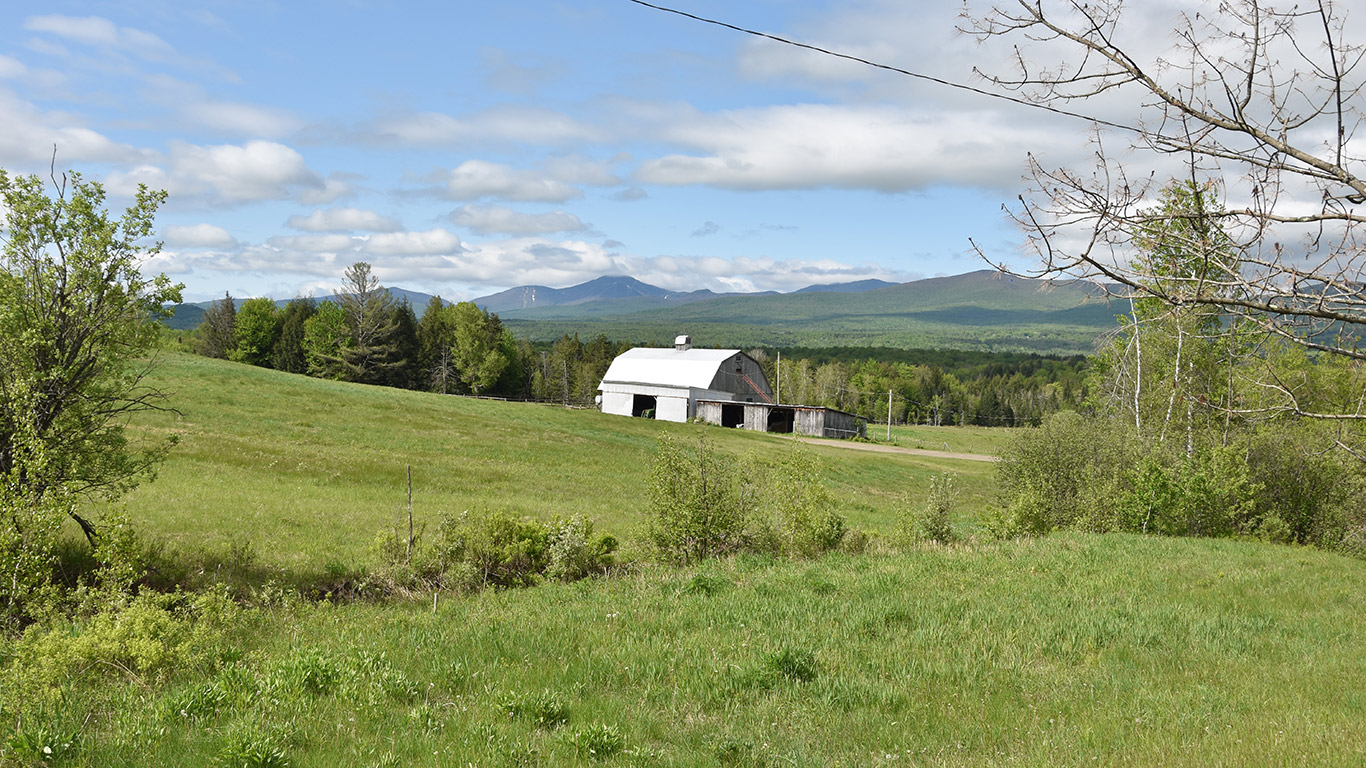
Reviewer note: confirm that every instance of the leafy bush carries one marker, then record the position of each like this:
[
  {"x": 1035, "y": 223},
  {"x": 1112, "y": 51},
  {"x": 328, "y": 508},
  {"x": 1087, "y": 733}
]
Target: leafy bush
[
  {"x": 575, "y": 554},
  {"x": 152, "y": 636},
  {"x": 932, "y": 521},
  {"x": 497, "y": 549},
  {"x": 703, "y": 505},
  {"x": 700, "y": 506}
]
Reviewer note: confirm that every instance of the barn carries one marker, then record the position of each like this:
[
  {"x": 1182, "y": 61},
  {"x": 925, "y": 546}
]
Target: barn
[
  {"x": 667, "y": 384},
  {"x": 718, "y": 386}
]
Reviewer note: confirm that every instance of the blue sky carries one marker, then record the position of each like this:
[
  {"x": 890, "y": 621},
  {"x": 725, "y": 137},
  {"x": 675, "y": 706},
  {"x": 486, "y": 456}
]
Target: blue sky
[{"x": 462, "y": 148}]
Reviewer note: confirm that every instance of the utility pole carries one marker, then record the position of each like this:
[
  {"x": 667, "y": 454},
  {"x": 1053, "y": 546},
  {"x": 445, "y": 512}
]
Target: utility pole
[
  {"x": 889, "y": 415},
  {"x": 779, "y": 396}
]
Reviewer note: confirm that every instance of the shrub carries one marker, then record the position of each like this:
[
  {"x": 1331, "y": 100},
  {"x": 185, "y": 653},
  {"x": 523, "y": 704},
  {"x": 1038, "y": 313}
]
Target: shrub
[
  {"x": 699, "y": 505},
  {"x": 499, "y": 550},
  {"x": 799, "y": 506},
  {"x": 932, "y": 522},
  {"x": 575, "y": 554},
  {"x": 703, "y": 505}
]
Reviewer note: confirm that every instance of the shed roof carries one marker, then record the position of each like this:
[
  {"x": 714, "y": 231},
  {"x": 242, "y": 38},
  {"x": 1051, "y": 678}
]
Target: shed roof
[{"x": 668, "y": 367}]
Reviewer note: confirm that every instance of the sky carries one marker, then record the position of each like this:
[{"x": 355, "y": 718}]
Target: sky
[{"x": 462, "y": 148}]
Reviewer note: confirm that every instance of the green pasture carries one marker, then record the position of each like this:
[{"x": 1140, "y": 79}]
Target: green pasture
[
  {"x": 1072, "y": 650},
  {"x": 307, "y": 472}
]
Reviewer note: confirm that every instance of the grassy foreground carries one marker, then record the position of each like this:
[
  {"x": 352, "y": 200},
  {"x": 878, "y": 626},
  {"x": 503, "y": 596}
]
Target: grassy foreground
[
  {"x": 308, "y": 472},
  {"x": 1071, "y": 650}
]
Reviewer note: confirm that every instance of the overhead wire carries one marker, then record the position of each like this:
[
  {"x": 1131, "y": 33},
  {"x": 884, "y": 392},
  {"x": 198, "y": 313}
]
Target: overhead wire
[{"x": 888, "y": 67}]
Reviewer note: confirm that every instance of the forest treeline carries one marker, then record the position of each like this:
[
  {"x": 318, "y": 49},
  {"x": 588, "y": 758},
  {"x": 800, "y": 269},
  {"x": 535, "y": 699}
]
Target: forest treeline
[{"x": 363, "y": 334}]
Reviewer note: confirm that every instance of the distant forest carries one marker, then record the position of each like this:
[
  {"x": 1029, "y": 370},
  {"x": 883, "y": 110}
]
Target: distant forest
[{"x": 367, "y": 336}]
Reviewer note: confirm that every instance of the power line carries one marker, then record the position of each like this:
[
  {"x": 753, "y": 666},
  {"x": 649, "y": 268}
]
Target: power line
[{"x": 890, "y": 68}]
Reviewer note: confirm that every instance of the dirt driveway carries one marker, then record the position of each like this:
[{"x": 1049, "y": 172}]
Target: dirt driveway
[{"x": 878, "y": 448}]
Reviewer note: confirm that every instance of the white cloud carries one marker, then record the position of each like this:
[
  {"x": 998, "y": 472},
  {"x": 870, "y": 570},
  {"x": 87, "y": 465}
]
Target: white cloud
[
  {"x": 880, "y": 148},
  {"x": 198, "y": 236},
  {"x": 10, "y": 67},
  {"x": 226, "y": 174},
  {"x": 477, "y": 179},
  {"x": 496, "y": 219},
  {"x": 30, "y": 134},
  {"x": 518, "y": 125},
  {"x": 330, "y": 243},
  {"x": 241, "y": 119},
  {"x": 430, "y": 242},
  {"x": 343, "y": 220},
  {"x": 335, "y": 187},
  {"x": 99, "y": 31}
]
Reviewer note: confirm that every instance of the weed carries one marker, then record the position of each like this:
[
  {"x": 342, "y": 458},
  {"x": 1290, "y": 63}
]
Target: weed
[
  {"x": 794, "y": 664},
  {"x": 544, "y": 710},
  {"x": 247, "y": 750},
  {"x": 705, "y": 584},
  {"x": 42, "y": 745},
  {"x": 598, "y": 741}
]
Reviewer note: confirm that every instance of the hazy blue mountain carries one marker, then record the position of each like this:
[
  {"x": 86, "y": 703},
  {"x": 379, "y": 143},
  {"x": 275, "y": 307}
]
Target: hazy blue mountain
[{"x": 857, "y": 286}]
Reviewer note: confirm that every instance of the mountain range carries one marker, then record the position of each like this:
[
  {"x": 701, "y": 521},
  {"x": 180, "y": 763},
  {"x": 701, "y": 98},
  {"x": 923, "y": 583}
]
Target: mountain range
[{"x": 977, "y": 310}]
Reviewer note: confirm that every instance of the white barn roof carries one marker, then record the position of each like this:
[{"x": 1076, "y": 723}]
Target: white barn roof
[{"x": 668, "y": 367}]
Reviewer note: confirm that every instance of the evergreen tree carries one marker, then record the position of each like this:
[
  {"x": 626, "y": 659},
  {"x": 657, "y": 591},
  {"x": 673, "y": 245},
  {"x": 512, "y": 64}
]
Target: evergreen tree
[
  {"x": 217, "y": 331},
  {"x": 288, "y": 354},
  {"x": 404, "y": 371},
  {"x": 371, "y": 322}
]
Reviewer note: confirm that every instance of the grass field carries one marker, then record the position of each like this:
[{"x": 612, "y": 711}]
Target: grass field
[
  {"x": 1074, "y": 649},
  {"x": 1071, "y": 650},
  {"x": 308, "y": 472}
]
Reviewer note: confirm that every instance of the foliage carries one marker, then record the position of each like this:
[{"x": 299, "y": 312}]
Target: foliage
[
  {"x": 77, "y": 321},
  {"x": 598, "y": 741},
  {"x": 700, "y": 506},
  {"x": 496, "y": 549},
  {"x": 371, "y": 323},
  {"x": 704, "y": 504},
  {"x": 218, "y": 330},
  {"x": 543, "y": 710},
  {"x": 326, "y": 341},
  {"x": 257, "y": 330},
  {"x": 288, "y": 354},
  {"x": 934, "y": 519}
]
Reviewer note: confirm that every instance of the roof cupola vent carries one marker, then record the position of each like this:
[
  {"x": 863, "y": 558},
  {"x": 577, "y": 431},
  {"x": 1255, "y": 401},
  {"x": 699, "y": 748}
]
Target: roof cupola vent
[{"x": 683, "y": 343}]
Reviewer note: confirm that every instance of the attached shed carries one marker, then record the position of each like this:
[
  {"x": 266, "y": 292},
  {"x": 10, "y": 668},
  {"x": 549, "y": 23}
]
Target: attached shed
[
  {"x": 809, "y": 420},
  {"x": 667, "y": 384}
]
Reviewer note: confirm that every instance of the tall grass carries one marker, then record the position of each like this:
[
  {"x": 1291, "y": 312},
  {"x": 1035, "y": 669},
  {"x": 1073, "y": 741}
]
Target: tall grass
[{"x": 1071, "y": 650}]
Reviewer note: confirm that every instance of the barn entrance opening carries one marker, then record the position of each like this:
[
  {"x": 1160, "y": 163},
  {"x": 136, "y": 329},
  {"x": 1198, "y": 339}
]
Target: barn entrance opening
[
  {"x": 644, "y": 406},
  {"x": 781, "y": 420},
  {"x": 732, "y": 416}
]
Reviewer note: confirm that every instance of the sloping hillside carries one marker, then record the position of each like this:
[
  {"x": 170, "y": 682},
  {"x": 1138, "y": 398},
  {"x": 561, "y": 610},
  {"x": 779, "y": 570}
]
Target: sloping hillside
[{"x": 311, "y": 470}]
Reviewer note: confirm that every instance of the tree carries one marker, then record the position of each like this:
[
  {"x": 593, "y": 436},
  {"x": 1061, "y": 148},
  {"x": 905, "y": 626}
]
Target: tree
[
  {"x": 218, "y": 329},
  {"x": 326, "y": 341},
  {"x": 478, "y": 348},
  {"x": 77, "y": 323},
  {"x": 1260, "y": 104},
  {"x": 435, "y": 335},
  {"x": 288, "y": 354},
  {"x": 369, "y": 311},
  {"x": 257, "y": 330}
]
